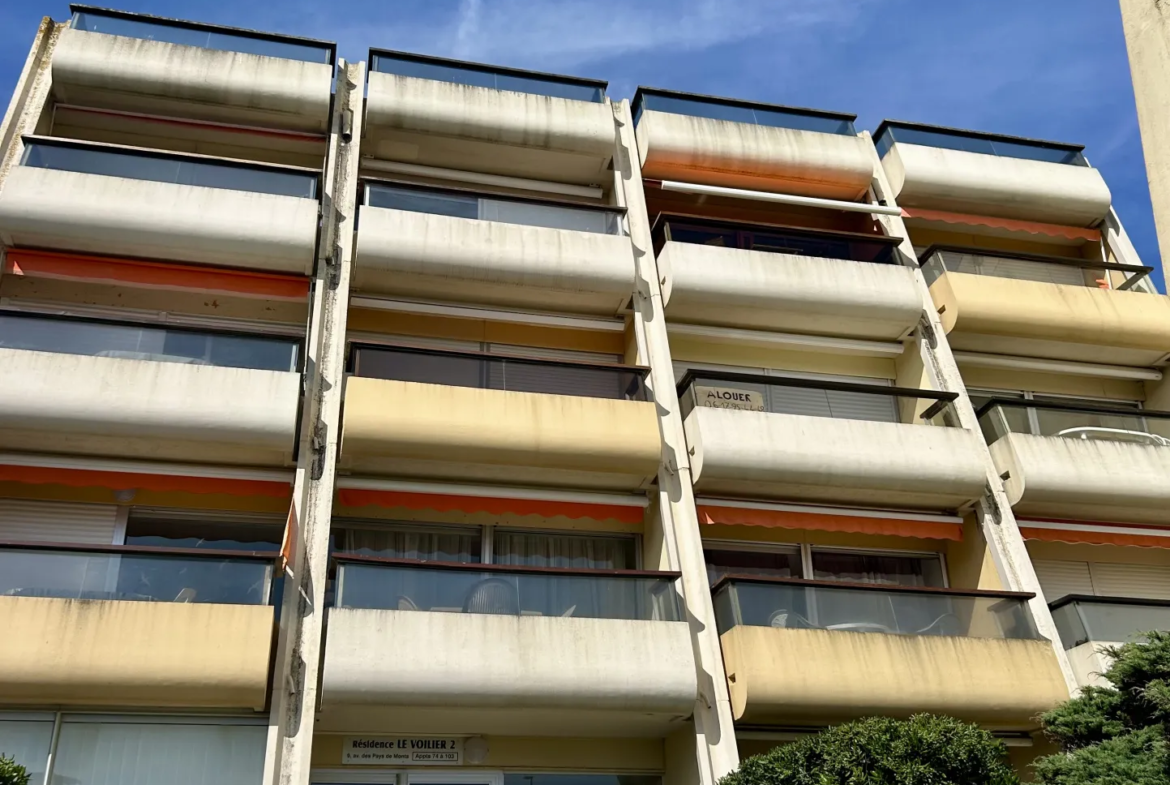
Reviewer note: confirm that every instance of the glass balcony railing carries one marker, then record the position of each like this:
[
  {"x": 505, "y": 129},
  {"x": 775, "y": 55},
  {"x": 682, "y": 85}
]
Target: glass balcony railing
[
  {"x": 450, "y": 587},
  {"x": 747, "y": 112},
  {"x": 168, "y": 168},
  {"x": 1112, "y": 620},
  {"x": 224, "y": 39},
  {"x": 877, "y": 249},
  {"x": 141, "y": 342},
  {"x": 460, "y": 204},
  {"x": 939, "y": 259},
  {"x": 791, "y": 603},
  {"x": 136, "y": 573},
  {"x": 489, "y": 76},
  {"x": 815, "y": 398},
  {"x": 498, "y": 372},
  {"x": 1084, "y": 421},
  {"x": 976, "y": 142}
]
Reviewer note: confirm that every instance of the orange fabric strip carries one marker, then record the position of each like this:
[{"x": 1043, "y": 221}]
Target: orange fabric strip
[
  {"x": 827, "y": 522},
  {"x": 85, "y": 478},
  {"x": 1070, "y": 537},
  {"x": 355, "y": 497},
  {"x": 1030, "y": 227},
  {"x": 155, "y": 275}
]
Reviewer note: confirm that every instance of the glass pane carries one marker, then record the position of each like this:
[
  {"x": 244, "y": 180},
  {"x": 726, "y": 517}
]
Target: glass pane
[
  {"x": 770, "y": 564},
  {"x": 773, "y": 241},
  {"x": 1117, "y": 623},
  {"x": 1069, "y": 625},
  {"x": 27, "y": 741},
  {"x": 500, "y": 373},
  {"x": 134, "y": 577},
  {"x": 1100, "y": 426},
  {"x": 486, "y": 76},
  {"x": 1014, "y": 268},
  {"x": 435, "y": 203},
  {"x": 215, "y": 535},
  {"x": 999, "y": 421},
  {"x": 140, "y": 342},
  {"x": 410, "y": 588},
  {"x": 140, "y": 166},
  {"x": 581, "y": 779},
  {"x": 752, "y": 115},
  {"x": 892, "y": 612},
  {"x": 426, "y": 543},
  {"x": 756, "y": 393},
  {"x": 564, "y": 551},
  {"x": 875, "y": 568},
  {"x": 96, "y": 22},
  {"x": 91, "y": 753},
  {"x": 958, "y": 140}
]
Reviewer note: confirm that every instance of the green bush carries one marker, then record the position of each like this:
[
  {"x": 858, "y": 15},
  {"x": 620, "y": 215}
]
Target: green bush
[
  {"x": 11, "y": 772},
  {"x": 1116, "y": 735},
  {"x": 924, "y": 750}
]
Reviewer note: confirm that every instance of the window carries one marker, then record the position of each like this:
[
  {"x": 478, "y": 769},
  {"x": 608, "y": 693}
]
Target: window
[
  {"x": 778, "y": 562},
  {"x": 1069, "y": 418},
  {"x": 127, "y": 341}
]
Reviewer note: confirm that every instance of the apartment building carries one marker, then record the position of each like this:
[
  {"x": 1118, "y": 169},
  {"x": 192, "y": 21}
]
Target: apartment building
[{"x": 408, "y": 420}]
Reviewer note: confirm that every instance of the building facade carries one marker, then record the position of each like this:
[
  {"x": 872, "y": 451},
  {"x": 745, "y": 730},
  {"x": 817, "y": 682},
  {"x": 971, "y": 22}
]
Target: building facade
[{"x": 417, "y": 421}]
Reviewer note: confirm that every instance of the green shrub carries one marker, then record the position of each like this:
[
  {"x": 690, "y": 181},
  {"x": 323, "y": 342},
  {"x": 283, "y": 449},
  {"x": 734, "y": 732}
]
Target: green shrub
[{"x": 11, "y": 772}]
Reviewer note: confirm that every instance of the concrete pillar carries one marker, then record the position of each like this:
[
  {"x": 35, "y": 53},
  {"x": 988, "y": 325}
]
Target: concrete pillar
[
  {"x": 714, "y": 732},
  {"x": 1147, "y": 38},
  {"x": 993, "y": 513},
  {"x": 29, "y": 97},
  {"x": 300, "y": 642}
]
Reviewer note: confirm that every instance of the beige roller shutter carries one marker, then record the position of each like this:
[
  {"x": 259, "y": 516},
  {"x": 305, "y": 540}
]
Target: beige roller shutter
[
  {"x": 1061, "y": 578},
  {"x": 37, "y": 521},
  {"x": 1144, "y": 581}
]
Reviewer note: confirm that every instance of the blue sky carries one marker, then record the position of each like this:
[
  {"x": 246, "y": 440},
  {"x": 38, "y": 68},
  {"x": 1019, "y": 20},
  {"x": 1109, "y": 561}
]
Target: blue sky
[{"x": 1053, "y": 69}]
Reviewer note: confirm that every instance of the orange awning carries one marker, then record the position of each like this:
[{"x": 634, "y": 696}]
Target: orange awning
[
  {"x": 155, "y": 275},
  {"x": 119, "y": 481},
  {"x": 442, "y": 502},
  {"x": 1006, "y": 224},
  {"x": 1070, "y": 533},
  {"x": 830, "y": 522}
]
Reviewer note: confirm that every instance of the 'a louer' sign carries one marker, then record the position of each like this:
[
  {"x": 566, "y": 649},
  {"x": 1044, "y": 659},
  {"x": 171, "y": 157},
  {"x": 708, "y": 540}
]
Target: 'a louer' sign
[
  {"x": 729, "y": 398},
  {"x": 396, "y": 750}
]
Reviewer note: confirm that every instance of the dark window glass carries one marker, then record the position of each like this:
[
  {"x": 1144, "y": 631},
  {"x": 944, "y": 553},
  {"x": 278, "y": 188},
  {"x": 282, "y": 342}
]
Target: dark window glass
[
  {"x": 161, "y": 169},
  {"x": 768, "y": 564},
  {"x": 957, "y": 140},
  {"x": 177, "y": 33}
]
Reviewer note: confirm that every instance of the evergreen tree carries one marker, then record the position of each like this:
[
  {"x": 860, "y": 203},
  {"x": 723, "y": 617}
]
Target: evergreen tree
[{"x": 11, "y": 772}]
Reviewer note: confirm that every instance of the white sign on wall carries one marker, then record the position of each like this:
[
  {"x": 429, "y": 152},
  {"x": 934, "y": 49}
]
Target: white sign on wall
[
  {"x": 402, "y": 750},
  {"x": 729, "y": 398}
]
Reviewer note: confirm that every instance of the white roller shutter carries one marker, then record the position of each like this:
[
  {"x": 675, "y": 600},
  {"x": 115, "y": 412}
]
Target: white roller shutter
[
  {"x": 1018, "y": 269},
  {"x": 37, "y": 521},
  {"x": 1061, "y": 578},
  {"x": 1144, "y": 581},
  {"x": 562, "y": 380}
]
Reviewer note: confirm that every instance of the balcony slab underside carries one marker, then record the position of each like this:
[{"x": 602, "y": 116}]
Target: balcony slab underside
[
  {"x": 134, "y": 654},
  {"x": 75, "y": 404},
  {"x": 984, "y": 313},
  {"x": 755, "y": 157},
  {"x": 781, "y": 456},
  {"x": 175, "y": 80},
  {"x": 453, "y": 126},
  {"x": 1085, "y": 479},
  {"x": 728, "y": 287},
  {"x": 441, "y": 257},
  {"x": 118, "y": 216},
  {"x": 964, "y": 182},
  {"x": 431, "y": 672},
  {"x": 432, "y": 431},
  {"x": 795, "y": 676}
]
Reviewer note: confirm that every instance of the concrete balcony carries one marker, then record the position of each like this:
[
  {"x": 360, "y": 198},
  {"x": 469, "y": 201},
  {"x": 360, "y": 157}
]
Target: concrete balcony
[
  {"x": 986, "y": 174},
  {"x": 498, "y": 251},
  {"x": 737, "y": 144},
  {"x": 135, "y": 63},
  {"x": 118, "y": 626},
  {"x": 112, "y": 406},
  {"x": 473, "y": 648},
  {"x": 441, "y": 113},
  {"x": 746, "y": 441},
  {"x": 722, "y": 274},
  {"x": 1088, "y": 626},
  {"x": 812, "y": 653},
  {"x": 1047, "y": 307},
  {"x": 123, "y": 202},
  {"x": 1081, "y": 462},
  {"x": 432, "y": 414}
]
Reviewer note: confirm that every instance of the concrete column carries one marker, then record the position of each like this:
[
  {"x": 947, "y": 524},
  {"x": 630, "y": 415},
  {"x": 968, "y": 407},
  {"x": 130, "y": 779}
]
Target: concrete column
[
  {"x": 29, "y": 97},
  {"x": 300, "y": 643},
  {"x": 714, "y": 732},
  {"x": 995, "y": 516},
  {"x": 1147, "y": 38}
]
